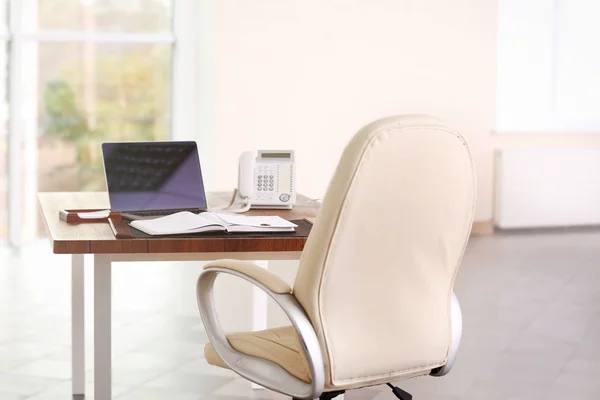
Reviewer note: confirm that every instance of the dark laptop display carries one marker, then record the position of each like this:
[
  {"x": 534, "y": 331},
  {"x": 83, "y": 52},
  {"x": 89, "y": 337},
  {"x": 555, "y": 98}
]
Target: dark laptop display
[{"x": 151, "y": 176}]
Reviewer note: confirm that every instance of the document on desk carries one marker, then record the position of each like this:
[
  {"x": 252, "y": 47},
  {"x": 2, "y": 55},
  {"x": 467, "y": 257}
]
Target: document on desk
[{"x": 186, "y": 222}]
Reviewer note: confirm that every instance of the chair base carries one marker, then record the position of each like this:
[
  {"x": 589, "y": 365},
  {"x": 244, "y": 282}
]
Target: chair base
[
  {"x": 329, "y": 395},
  {"x": 399, "y": 393}
]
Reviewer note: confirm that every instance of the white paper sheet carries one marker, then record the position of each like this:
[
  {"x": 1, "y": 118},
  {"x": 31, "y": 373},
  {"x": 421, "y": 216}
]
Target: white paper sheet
[
  {"x": 258, "y": 221},
  {"x": 94, "y": 214}
]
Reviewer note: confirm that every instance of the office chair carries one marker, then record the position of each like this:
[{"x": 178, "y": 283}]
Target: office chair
[{"x": 373, "y": 299}]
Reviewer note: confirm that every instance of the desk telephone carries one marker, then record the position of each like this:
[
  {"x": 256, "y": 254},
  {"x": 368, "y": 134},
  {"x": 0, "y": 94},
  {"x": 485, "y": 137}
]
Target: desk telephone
[{"x": 267, "y": 179}]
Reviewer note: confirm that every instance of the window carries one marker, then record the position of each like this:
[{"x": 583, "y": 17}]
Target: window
[
  {"x": 82, "y": 72},
  {"x": 549, "y": 66},
  {"x": 4, "y": 144}
]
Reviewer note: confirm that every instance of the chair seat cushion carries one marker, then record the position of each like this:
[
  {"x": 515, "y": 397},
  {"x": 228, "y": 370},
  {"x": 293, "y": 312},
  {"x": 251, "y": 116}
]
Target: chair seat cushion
[{"x": 279, "y": 345}]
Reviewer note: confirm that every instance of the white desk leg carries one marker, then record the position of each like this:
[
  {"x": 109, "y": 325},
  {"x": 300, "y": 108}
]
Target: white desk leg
[
  {"x": 102, "y": 328},
  {"x": 77, "y": 324},
  {"x": 259, "y": 309}
]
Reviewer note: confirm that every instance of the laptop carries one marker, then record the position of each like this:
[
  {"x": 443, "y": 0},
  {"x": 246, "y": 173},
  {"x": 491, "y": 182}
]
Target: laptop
[{"x": 150, "y": 179}]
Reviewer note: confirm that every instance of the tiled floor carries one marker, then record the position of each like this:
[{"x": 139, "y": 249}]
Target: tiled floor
[{"x": 531, "y": 306}]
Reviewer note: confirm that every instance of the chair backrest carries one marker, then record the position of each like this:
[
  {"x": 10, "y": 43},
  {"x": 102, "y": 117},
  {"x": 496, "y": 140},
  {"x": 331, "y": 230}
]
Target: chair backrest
[{"x": 377, "y": 274}]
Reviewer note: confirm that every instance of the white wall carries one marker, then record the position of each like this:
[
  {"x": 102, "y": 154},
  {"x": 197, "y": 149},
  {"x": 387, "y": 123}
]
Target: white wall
[{"x": 307, "y": 74}]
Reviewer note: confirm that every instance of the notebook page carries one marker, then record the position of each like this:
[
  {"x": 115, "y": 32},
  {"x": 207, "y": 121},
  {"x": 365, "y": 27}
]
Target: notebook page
[
  {"x": 256, "y": 221},
  {"x": 180, "y": 222},
  {"x": 216, "y": 218}
]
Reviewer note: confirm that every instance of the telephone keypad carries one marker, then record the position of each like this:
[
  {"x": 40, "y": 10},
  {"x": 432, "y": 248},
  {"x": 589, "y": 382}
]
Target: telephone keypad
[{"x": 265, "y": 183}]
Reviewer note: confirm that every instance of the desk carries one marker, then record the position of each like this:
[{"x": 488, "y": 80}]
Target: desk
[{"x": 98, "y": 239}]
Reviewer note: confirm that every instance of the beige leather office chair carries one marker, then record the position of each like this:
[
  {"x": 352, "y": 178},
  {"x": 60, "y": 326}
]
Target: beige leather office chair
[{"x": 373, "y": 299}]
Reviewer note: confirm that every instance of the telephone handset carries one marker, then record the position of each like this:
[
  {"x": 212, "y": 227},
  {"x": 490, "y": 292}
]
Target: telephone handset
[
  {"x": 266, "y": 180},
  {"x": 246, "y": 175}
]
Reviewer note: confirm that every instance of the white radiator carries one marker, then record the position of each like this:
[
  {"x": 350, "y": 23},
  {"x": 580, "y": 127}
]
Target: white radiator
[{"x": 547, "y": 188}]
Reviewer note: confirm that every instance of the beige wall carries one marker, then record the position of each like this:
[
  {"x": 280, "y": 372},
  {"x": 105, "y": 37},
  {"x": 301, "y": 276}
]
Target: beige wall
[{"x": 307, "y": 74}]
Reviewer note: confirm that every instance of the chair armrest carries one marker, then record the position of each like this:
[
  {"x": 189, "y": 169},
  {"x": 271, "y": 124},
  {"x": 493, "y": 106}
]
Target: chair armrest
[
  {"x": 271, "y": 281},
  {"x": 257, "y": 370},
  {"x": 456, "y": 321}
]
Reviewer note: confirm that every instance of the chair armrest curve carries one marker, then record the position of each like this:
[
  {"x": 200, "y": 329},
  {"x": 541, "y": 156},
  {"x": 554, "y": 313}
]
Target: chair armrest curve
[
  {"x": 257, "y": 370},
  {"x": 271, "y": 281}
]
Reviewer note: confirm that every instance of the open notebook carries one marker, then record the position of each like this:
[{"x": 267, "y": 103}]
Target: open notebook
[{"x": 186, "y": 222}]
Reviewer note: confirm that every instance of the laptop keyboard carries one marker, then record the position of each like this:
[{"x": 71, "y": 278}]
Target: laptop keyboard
[
  {"x": 143, "y": 168},
  {"x": 154, "y": 214}
]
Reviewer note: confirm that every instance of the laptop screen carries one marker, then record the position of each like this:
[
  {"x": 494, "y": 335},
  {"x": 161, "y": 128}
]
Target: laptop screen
[{"x": 149, "y": 176}]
